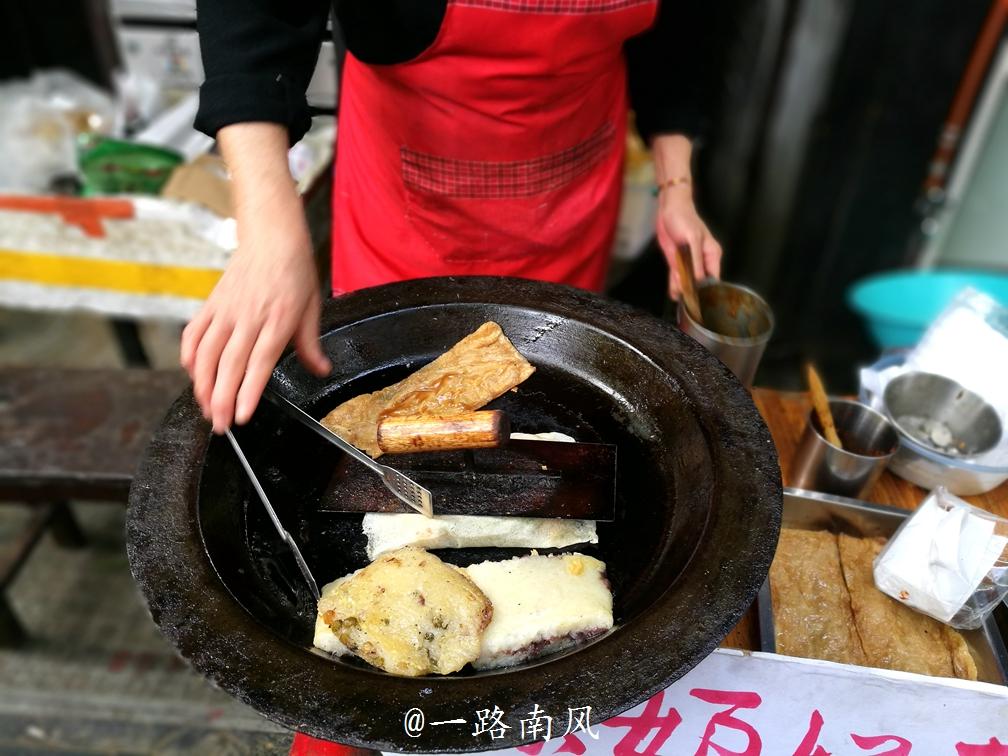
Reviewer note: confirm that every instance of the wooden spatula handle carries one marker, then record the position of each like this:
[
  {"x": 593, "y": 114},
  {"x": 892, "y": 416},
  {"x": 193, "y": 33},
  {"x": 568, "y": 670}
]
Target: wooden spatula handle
[
  {"x": 684, "y": 261},
  {"x": 821, "y": 404},
  {"x": 416, "y": 433}
]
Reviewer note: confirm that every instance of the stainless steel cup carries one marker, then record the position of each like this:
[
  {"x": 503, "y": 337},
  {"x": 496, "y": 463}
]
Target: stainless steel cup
[
  {"x": 737, "y": 326},
  {"x": 869, "y": 441}
]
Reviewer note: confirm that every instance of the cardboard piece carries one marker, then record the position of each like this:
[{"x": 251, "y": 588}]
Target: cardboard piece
[{"x": 203, "y": 181}]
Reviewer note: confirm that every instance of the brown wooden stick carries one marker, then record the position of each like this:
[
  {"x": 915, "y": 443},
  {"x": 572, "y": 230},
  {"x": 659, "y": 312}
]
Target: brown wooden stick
[
  {"x": 821, "y": 404},
  {"x": 470, "y": 430},
  {"x": 684, "y": 261}
]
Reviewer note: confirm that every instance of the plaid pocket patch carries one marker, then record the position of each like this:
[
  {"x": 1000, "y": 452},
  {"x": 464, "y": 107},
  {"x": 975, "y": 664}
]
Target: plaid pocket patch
[
  {"x": 477, "y": 179},
  {"x": 569, "y": 7}
]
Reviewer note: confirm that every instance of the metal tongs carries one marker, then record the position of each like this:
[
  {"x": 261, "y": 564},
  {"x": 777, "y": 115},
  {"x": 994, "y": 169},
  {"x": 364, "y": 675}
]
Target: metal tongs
[
  {"x": 410, "y": 492},
  {"x": 406, "y": 489},
  {"x": 284, "y": 535}
]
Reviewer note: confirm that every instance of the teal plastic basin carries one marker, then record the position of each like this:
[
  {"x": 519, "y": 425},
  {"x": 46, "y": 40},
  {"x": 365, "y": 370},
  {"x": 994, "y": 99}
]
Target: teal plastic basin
[{"x": 898, "y": 307}]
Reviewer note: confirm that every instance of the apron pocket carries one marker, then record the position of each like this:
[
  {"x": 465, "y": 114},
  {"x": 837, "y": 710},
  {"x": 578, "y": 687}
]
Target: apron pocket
[{"x": 473, "y": 211}]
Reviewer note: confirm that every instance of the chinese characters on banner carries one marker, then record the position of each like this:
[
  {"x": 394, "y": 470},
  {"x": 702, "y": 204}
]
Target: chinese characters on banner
[{"x": 736, "y": 704}]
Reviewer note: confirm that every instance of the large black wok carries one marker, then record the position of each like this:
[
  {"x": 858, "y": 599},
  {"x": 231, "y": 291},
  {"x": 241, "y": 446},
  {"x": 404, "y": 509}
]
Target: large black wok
[{"x": 699, "y": 501}]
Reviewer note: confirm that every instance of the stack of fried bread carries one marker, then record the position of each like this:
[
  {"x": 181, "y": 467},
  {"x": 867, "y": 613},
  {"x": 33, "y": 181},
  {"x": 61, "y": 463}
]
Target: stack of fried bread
[
  {"x": 410, "y": 613},
  {"x": 826, "y": 606}
]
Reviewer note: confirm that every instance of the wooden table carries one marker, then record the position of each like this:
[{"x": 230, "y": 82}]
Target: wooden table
[
  {"x": 78, "y": 434},
  {"x": 785, "y": 415},
  {"x": 70, "y": 434}
]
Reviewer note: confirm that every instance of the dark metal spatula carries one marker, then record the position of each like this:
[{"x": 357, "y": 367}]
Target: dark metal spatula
[
  {"x": 472, "y": 467},
  {"x": 404, "y": 489}
]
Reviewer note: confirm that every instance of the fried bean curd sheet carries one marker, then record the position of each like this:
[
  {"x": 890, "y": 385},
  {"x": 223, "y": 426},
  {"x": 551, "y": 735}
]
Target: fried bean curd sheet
[
  {"x": 478, "y": 369},
  {"x": 811, "y": 606},
  {"x": 893, "y": 635},
  {"x": 963, "y": 663},
  {"x": 826, "y": 606}
]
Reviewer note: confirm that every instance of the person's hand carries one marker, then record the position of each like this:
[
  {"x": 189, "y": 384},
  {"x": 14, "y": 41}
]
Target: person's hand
[
  {"x": 269, "y": 294},
  {"x": 267, "y": 297},
  {"x": 678, "y": 222}
]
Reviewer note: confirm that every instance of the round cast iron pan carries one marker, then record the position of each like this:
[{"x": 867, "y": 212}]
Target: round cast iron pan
[{"x": 699, "y": 504}]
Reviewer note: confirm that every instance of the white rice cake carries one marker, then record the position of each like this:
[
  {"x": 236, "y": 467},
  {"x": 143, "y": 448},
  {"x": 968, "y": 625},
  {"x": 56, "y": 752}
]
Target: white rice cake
[
  {"x": 545, "y": 436},
  {"x": 325, "y": 638},
  {"x": 388, "y": 532},
  {"x": 541, "y": 604}
]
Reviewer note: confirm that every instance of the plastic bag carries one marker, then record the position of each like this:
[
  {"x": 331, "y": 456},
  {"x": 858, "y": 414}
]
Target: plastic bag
[
  {"x": 948, "y": 560},
  {"x": 41, "y": 121}
]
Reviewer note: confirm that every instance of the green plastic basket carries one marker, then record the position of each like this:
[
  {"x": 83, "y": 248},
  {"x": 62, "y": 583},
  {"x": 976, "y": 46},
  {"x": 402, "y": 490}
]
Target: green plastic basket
[{"x": 117, "y": 167}]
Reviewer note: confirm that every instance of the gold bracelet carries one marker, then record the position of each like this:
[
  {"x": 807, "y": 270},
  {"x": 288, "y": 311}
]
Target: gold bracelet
[{"x": 682, "y": 180}]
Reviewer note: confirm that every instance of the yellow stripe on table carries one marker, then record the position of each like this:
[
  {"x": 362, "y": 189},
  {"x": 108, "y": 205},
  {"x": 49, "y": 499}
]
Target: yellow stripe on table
[{"x": 113, "y": 275}]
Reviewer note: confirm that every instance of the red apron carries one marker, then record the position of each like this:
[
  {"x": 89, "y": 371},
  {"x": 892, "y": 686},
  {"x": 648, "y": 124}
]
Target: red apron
[{"x": 498, "y": 151}]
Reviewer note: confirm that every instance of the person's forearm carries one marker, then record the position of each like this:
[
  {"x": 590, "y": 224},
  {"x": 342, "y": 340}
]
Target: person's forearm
[
  {"x": 679, "y": 226},
  {"x": 672, "y": 156},
  {"x": 267, "y": 296},
  {"x": 262, "y": 186}
]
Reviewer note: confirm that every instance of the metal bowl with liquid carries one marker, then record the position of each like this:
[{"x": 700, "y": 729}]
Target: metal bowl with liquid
[{"x": 942, "y": 415}]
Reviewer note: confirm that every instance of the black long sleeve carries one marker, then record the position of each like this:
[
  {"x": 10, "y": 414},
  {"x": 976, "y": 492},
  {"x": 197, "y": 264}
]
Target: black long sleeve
[
  {"x": 259, "y": 56},
  {"x": 673, "y": 67}
]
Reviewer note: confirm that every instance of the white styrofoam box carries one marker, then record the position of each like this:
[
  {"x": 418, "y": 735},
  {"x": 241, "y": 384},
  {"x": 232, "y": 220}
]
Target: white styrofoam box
[
  {"x": 172, "y": 58},
  {"x": 324, "y": 86},
  {"x": 179, "y": 10},
  {"x": 169, "y": 56}
]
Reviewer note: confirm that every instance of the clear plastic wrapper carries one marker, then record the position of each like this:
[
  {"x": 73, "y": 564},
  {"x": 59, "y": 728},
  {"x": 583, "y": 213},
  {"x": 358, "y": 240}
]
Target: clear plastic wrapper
[
  {"x": 948, "y": 560},
  {"x": 42, "y": 119}
]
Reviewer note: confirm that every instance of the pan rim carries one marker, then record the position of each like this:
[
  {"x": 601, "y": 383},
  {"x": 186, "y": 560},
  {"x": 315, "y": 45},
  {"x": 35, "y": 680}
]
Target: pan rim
[{"x": 188, "y": 570}]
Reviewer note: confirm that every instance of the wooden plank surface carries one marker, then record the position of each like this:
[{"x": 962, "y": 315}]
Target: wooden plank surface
[
  {"x": 785, "y": 414},
  {"x": 78, "y": 434}
]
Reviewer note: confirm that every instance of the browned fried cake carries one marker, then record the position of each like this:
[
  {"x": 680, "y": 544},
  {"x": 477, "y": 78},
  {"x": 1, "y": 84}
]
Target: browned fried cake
[
  {"x": 478, "y": 369},
  {"x": 407, "y": 613}
]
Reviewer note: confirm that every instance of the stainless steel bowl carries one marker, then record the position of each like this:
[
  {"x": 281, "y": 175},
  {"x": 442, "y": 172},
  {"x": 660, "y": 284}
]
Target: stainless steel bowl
[
  {"x": 939, "y": 414},
  {"x": 963, "y": 476}
]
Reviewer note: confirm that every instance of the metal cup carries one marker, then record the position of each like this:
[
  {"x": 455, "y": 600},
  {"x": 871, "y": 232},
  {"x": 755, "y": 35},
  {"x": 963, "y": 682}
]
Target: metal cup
[
  {"x": 737, "y": 326},
  {"x": 869, "y": 441}
]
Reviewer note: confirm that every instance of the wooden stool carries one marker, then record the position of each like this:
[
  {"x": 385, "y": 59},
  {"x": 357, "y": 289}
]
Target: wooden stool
[{"x": 70, "y": 435}]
